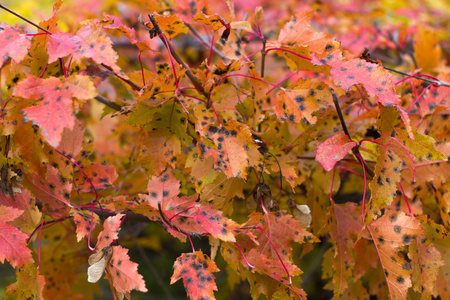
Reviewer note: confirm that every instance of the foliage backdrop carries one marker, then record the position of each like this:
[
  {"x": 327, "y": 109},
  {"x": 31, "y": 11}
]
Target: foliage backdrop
[{"x": 255, "y": 146}]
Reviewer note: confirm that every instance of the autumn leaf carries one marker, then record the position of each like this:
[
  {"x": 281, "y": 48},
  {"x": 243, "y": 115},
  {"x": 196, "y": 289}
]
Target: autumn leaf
[
  {"x": 14, "y": 43},
  {"x": 427, "y": 259},
  {"x": 122, "y": 272},
  {"x": 29, "y": 284},
  {"x": 333, "y": 150},
  {"x": 55, "y": 111},
  {"x": 171, "y": 25},
  {"x": 376, "y": 80},
  {"x": 344, "y": 225},
  {"x": 211, "y": 21},
  {"x": 85, "y": 221},
  {"x": 110, "y": 232},
  {"x": 88, "y": 42},
  {"x": 233, "y": 142},
  {"x": 296, "y": 32},
  {"x": 101, "y": 176},
  {"x": 113, "y": 22},
  {"x": 391, "y": 231},
  {"x": 53, "y": 191},
  {"x": 13, "y": 242},
  {"x": 392, "y": 155},
  {"x": 196, "y": 271},
  {"x": 24, "y": 201}
]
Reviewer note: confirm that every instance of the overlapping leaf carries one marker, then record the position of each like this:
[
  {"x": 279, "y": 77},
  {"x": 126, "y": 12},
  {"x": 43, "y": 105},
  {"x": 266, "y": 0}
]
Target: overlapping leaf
[
  {"x": 55, "y": 111},
  {"x": 196, "y": 270}
]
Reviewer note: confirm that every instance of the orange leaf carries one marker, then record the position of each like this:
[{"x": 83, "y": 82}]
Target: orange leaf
[
  {"x": 122, "y": 272},
  {"x": 390, "y": 232},
  {"x": 196, "y": 270}
]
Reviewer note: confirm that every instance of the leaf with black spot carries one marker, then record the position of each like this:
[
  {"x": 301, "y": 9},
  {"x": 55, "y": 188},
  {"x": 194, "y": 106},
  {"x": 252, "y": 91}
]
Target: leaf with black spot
[{"x": 196, "y": 270}]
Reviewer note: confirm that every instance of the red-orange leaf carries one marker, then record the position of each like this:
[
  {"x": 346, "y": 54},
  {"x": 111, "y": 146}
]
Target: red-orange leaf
[
  {"x": 14, "y": 43},
  {"x": 376, "y": 80},
  {"x": 84, "y": 220},
  {"x": 196, "y": 270},
  {"x": 391, "y": 231},
  {"x": 110, "y": 232},
  {"x": 122, "y": 272},
  {"x": 55, "y": 111},
  {"x": 13, "y": 242},
  {"x": 100, "y": 175},
  {"x": 333, "y": 150},
  {"x": 113, "y": 22}
]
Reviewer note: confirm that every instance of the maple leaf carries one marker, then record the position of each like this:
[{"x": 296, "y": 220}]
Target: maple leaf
[
  {"x": 392, "y": 154},
  {"x": 88, "y": 42},
  {"x": 376, "y": 80},
  {"x": 333, "y": 150},
  {"x": 29, "y": 284},
  {"x": 13, "y": 242},
  {"x": 203, "y": 171},
  {"x": 421, "y": 146},
  {"x": 101, "y": 176},
  {"x": 187, "y": 213},
  {"x": 31, "y": 216},
  {"x": 171, "y": 25},
  {"x": 113, "y": 22},
  {"x": 211, "y": 21},
  {"x": 55, "y": 111},
  {"x": 343, "y": 222},
  {"x": 196, "y": 271},
  {"x": 85, "y": 221},
  {"x": 110, "y": 232},
  {"x": 14, "y": 43},
  {"x": 122, "y": 272},
  {"x": 53, "y": 191},
  {"x": 296, "y": 32},
  {"x": 282, "y": 228},
  {"x": 222, "y": 191},
  {"x": 226, "y": 97},
  {"x": 436, "y": 99},
  {"x": 234, "y": 144},
  {"x": 427, "y": 259},
  {"x": 293, "y": 105},
  {"x": 389, "y": 232}
]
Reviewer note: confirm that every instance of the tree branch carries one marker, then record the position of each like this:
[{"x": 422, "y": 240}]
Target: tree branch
[{"x": 175, "y": 55}]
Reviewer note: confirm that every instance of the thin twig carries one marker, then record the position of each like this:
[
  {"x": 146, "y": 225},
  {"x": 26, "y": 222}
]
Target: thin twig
[
  {"x": 355, "y": 150},
  {"x": 436, "y": 82},
  {"x": 263, "y": 57},
  {"x": 106, "y": 101},
  {"x": 197, "y": 35},
  {"x": 175, "y": 55},
  {"x": 25, "y": 19}
]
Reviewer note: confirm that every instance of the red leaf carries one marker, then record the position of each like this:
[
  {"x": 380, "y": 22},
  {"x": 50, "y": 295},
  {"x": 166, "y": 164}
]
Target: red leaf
[
  {"x": 333, "y": 150},
  {"x": 101, "y": 176},
  {"x": 14, "y": 43},
  {"x": 53, "y": 191},
  {"x": 13, "y": 242},
  {"x": 187, "y": 212},
  {"x": 55, "y": 112},
  {"x": 122, "y": 272},
  {"x": 196, "y": 270},
  {"x": 376, "y": 80},
  {"x": 89, "y": 42},
  {"x": 110, "y": 232}
]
